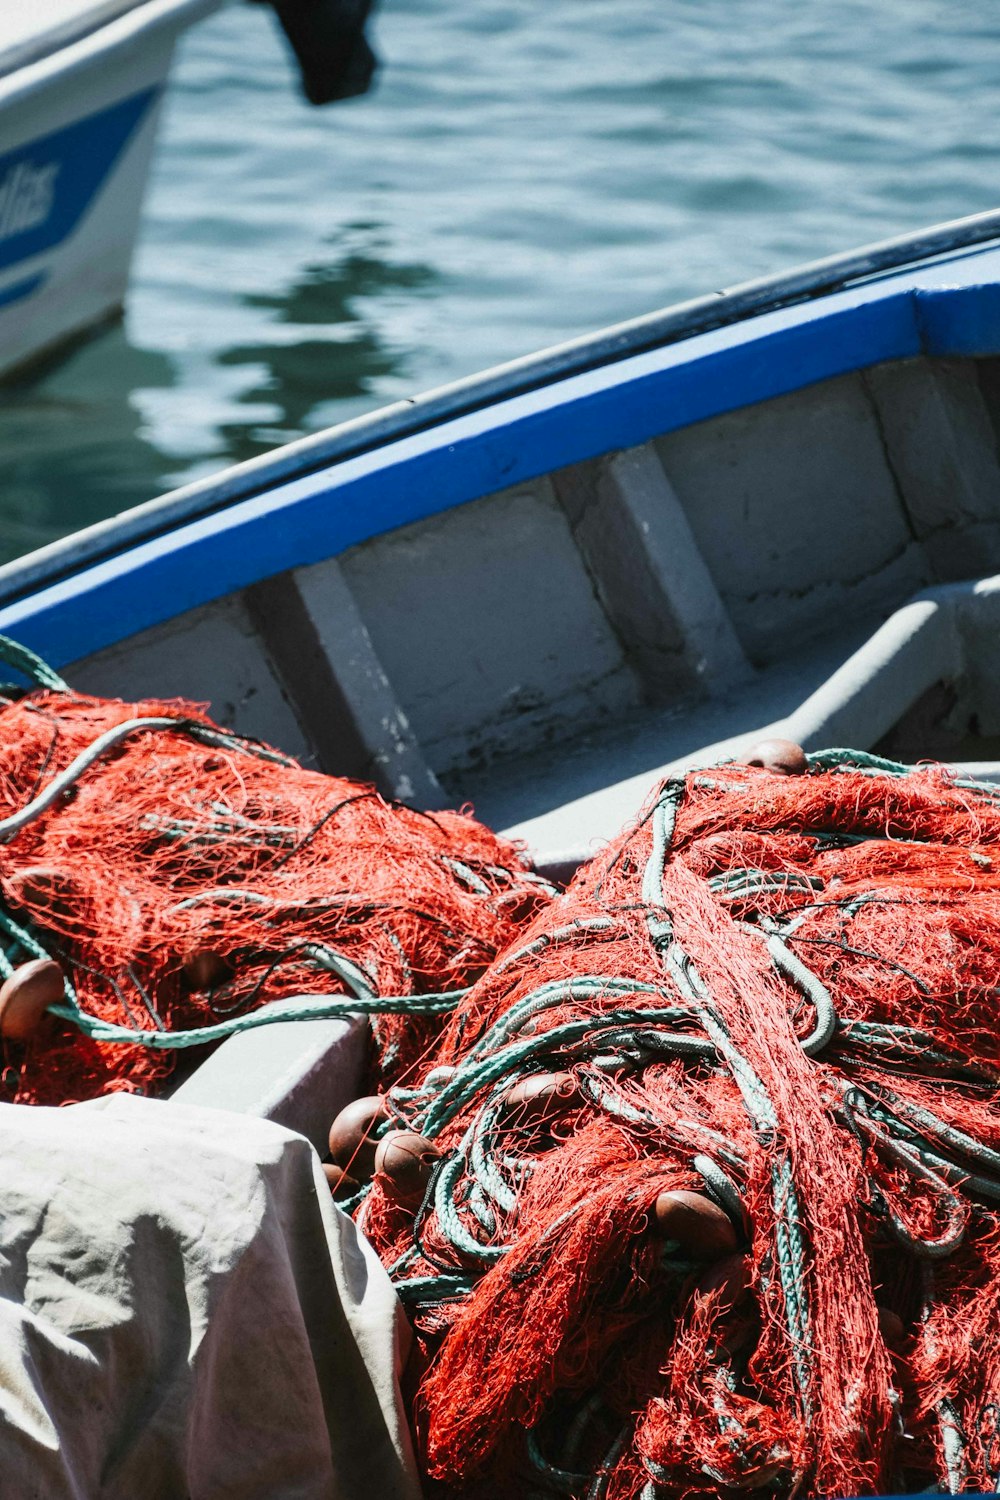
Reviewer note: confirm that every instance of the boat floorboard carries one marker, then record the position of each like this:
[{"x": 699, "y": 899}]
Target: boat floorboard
[{"x": 571, "y": 796}]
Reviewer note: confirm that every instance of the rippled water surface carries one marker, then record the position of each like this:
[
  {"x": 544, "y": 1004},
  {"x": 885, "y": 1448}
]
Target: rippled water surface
[{"x": 523, "y": 173}]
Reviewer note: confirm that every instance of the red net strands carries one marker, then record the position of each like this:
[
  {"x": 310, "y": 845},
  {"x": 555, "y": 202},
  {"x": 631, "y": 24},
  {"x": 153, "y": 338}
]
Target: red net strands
[
  {"x": 713, "y": 1198},
  {"x": 184, "y": 877}
]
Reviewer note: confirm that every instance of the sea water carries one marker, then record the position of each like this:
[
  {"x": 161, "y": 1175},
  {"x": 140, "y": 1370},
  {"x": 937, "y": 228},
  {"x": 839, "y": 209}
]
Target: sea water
[{"x": 522, "y": 173}]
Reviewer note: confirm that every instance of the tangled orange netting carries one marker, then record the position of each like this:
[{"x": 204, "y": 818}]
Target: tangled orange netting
[
  {"x": 780, "y": 992},
  {"x": 776, "y": 993},
  {"x": 184, "y": 877}
]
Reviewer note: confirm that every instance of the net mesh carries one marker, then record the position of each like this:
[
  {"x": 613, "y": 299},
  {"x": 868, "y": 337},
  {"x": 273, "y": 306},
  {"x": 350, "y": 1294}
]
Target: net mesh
[
  {"x": 779, "y": 992},
  {"x": 185, "y": 877}
]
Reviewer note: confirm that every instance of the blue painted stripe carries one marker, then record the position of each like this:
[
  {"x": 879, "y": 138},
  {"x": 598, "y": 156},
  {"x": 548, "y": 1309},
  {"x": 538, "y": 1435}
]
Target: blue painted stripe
[
  {"x": 47, "y": 185},
  {"x": 963, "y": 320},
  {"x": 942, "y": 311},
  {"x": 22, "y": 288}
]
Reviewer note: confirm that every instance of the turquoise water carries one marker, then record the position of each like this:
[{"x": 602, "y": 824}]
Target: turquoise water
[{"x": 523, "y": 173}]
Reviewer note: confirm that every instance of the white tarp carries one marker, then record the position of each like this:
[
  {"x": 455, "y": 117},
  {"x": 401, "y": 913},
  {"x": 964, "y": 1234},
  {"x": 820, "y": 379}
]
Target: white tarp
[{"x": 184, "y": 1313}]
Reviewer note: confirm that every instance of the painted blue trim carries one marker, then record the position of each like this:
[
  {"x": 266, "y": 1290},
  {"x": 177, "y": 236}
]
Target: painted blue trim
[
  {"x": 47, "y": 185},
  {"x": 960, "y": 321},
  {"x": 951, "y": 308},
  {"x": 22, "y": 288}
]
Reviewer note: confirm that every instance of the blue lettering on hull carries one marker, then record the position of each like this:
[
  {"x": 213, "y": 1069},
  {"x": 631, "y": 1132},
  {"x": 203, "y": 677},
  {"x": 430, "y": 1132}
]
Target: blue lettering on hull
[{"x": 47, "y": 186}]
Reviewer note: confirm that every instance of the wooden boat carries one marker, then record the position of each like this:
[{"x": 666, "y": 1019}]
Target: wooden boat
[
  {"x": 81, "y": 83},
  {"x": 776, "y": 509}
]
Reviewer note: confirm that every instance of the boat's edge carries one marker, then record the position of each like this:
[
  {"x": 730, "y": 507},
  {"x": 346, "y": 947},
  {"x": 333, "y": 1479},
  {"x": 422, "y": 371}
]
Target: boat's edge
[
  {"x": 948, "y": 311},
  {"x": 734, "y": 308},
  {"x": 78, "y": 48}
]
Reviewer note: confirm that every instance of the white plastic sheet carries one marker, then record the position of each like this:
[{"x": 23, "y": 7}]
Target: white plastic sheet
[{"x": 184, "y": 1312}]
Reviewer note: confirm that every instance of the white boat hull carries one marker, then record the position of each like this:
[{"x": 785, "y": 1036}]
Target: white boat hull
[{"x": 77, "y": 129}]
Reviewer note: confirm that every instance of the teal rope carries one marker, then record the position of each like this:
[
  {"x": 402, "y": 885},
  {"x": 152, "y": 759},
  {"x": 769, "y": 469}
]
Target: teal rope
[
  {"x": 953, "y": 1440},
  {"x": 482, "y": 1156},
  {"x": 13, "y": 824},
  {"x": 558, "y": 992},
  {"x": 569, "y": 1042},
  {"x": 448, "y": 1178},
  {"x": 898, "y": 1146},
  {"x": 857, "y": 760},
  {"x": 306, "y": 1009},
  {"x": 21, "y": 938},
  {"x": 581, "y": 927},
  {"x": 877, "y": 765},
  {"x": 13, "y": 654},
  {"x": 805, "y": 981},
  {"x": 564, "y": 1480},
  {"x": 791, "y": 1258},
  {"x": 424, "y": 1290}
]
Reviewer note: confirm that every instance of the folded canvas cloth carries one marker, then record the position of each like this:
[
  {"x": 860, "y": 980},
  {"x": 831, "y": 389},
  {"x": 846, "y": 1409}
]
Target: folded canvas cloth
[{"x": 184, "y": 1312}]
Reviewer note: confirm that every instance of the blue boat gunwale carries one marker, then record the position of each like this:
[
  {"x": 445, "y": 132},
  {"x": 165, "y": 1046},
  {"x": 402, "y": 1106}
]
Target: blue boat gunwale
[
  {"x": 948, "y": 308},
  {"x": 516, "y": 377}
]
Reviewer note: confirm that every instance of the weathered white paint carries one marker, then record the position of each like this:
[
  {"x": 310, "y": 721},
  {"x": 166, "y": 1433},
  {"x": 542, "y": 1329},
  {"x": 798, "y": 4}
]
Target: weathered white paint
[
  {"x": 488, "y": 628},
  {"x": 297, "y": 1073},
  {"x": 210, "y": 655},
  {"x": 940, "y": 444},
  {"x": 635, "y": 489},
  {"x": 62, "y": 61},
  {"x": 796, "y": 513},
  {"x": 396, "y": 755}
]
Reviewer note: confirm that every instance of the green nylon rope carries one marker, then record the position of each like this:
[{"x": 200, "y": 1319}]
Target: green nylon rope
[
  {"x": 308, "y": 1008},
  {"x": 13, "y": 654}
]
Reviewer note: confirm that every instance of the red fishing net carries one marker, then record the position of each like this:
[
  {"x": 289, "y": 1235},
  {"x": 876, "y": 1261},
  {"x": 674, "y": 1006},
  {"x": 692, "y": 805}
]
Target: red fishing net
[
  {"x": 781, "y": 993},
  {"x": 776, "y": 997},
  {"x": 184, "y": 877}
]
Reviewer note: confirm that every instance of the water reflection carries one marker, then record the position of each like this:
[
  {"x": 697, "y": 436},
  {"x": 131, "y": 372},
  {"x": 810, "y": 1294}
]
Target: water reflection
[
  {"x": 325, "y": 346},
  {"x": 523, "y": 174},
  {"x": 72, "y": 445}
]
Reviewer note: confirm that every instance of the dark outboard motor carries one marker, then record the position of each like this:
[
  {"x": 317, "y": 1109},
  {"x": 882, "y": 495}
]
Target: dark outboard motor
[{"x": 329, "y": 42}]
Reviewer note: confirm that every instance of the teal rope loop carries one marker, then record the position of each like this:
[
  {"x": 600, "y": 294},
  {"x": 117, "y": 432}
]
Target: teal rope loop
[
  {"x": 307, "y": 1008},
  {"x": 14, "y": 655}
]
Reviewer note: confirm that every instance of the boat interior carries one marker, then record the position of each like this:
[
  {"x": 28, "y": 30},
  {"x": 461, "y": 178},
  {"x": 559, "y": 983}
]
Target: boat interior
[
  {"x": 539, "y": 592},
  {"x": 547, "y": 651}
]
